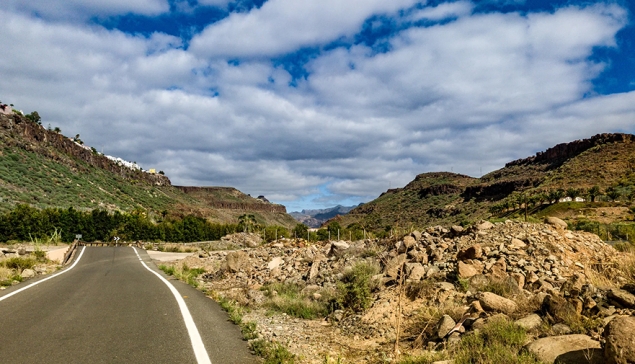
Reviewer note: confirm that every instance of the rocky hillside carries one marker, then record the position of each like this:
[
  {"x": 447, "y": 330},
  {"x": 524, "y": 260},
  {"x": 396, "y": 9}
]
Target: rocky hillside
[
  {"x": 605, "y": 160},
  {"x": 44, "y": 168},
  {"x": 538, "y": 291}
]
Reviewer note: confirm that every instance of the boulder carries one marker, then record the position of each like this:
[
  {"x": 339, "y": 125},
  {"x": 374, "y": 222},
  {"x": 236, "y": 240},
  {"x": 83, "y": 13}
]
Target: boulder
[
  {"x": 493, "y": 302},
  {"x": 338, "y": 247},
  {"x": 409, "y": 241},
  {"x": 416, "y": 234},
  {"x": 484, "y": 225},
  {"x": 556, "y": 222},
  {"x": 456, "y": 229},
  {"x": 622, "y": 298},
  {"x": 530, "y": 322},
  {"x": 28, "y": 273},
  {"x": 237, "y": 261},
  {"x": 620, "y": 340},
  {"x": 416, "y": 271},
  {"x": 517, "y": 244},
  {"x": 473, "y": 252},
  {"x": 393, "y": 266},
  {"x": 446, "y": 323},
  {"x": 467, "y": 270},
  {"x": 274, "y": 263},
  {"x": 566, "y": 349}
]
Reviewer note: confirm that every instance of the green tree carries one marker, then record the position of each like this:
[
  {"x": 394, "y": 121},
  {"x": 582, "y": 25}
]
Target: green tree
[
  {"x": 300, "y": 231},
  {"x": 613, "y": 193},
  {"x": 35, "y": 117},
  {"x": 573, "y": 193},
  {"x": 594, "y": 192}
]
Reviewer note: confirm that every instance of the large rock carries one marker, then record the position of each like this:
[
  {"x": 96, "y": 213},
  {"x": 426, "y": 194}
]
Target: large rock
[
  {"x": 446, "y": 323},
  {"x": 274, "y": 263},
  {"x": 556, "y": 222},
  {"x": 416, "y": 271},
  {"x": 409, "y": 241},
  {"x": 28, "y": 273},
  {"x": 393, "y": 266},
  {"x": 473, "y": 252},
  {"x": 484, "y": 225},
  {"x": 569, "y": 349},
  {"x": 237, "y": 261},
  {"x": 493, "y": 302},
  {"x": 467, "y": 270},
  {"x": 530, "y": 322},
  {"x": 622, "y": 298},
  {"x": 620, "y": 340},
  {"x": 339, "y": 247}
]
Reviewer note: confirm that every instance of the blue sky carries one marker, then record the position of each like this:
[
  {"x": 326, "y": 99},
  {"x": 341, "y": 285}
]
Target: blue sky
[{"x": 317, "y": 103}]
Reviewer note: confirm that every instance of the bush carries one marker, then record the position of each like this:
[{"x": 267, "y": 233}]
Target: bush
[
  {"x": 273, "y": 353},
  {"x": 19, "y": 263},
  {"x": 355, "y": 289},
  {"x": 500, "y": 341},
  {"x": 288, "y": 298}
]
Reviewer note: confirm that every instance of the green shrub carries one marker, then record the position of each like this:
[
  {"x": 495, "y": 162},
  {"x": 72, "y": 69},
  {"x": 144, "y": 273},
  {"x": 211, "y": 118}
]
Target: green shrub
[
  {"x": 500, "y": 341},
  {"x": 273, "y": 353},
  {"x": 355, "y": 289},
  {"x": 288, "y": 298},
  {"x": 19, "y": 263}
]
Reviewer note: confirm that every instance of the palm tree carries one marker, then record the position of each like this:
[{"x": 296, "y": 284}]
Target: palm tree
[{"x": 594, "y": 192}]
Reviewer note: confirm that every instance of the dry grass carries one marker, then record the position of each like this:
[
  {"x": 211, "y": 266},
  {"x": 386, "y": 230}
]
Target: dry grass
[{"x": 608, "y": 275}]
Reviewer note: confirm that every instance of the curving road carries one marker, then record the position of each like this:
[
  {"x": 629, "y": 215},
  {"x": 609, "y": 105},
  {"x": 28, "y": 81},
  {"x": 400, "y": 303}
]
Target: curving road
[{"x": 110, "y": 308}]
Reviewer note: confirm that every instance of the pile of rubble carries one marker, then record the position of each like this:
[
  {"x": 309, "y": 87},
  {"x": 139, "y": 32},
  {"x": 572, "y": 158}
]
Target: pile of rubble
[{"x": 569, "y": 290}]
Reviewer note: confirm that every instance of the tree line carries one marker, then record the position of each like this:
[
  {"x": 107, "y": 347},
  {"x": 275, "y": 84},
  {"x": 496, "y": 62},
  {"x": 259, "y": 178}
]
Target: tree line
[{"x": 25, "y": 223}]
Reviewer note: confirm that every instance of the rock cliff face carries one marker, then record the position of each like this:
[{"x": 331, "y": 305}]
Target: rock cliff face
[
  {"x": 561, "y": 152},
  {"x": 217, "y": 197},
  {"x": 16, "y": 130}
]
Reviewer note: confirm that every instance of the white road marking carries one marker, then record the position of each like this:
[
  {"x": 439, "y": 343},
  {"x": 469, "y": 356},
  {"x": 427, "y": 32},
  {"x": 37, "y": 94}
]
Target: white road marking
[
  {"x": 45, "y": 279},
  {"x": 197, "y": 343}
]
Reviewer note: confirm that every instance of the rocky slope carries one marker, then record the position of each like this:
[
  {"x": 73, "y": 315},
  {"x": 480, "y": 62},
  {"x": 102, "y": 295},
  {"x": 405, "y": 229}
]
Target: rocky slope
[
  {"x": 605, "y": 160},
  {"x": 45, "y": 169},
  {"x": 569, "y": 291}
]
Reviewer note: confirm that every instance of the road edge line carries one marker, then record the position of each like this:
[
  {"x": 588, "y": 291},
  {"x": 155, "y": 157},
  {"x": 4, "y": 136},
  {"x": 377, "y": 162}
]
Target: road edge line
[
  {"x": 45, "y": 279},
  {"x": 202, "y": 357}
]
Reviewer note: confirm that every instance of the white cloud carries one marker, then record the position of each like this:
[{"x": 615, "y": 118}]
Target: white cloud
[
  {"x": 84, "y": 9},
  {"x": 444, "y": 11},
  {"x": 281, "y": 26},
  {"x": 465, "y": 96}
]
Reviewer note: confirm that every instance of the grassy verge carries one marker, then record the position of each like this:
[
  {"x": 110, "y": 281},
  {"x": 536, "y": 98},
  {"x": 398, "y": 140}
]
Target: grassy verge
[{"x": 183, "y": 272}]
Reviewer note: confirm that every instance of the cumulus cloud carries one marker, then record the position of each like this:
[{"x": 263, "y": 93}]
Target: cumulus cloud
[
  {"x": 84, "y": 9},
  {"x": 281, "y": 26},
  {"x": 465, "y": 96},
  {"x": 444, "y": 11}
]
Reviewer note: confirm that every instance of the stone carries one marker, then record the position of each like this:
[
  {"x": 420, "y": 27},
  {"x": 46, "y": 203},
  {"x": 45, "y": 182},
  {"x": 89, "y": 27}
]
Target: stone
[
  {"x": 517, "y": 244},
  {"x": 473, "y": 252},
  {"x": 560, "y": 329},
  {"x": 466, "y": 270},
  {"x": 519, "y": 278},
  {"x": 393, "y": 266},
  {"x": 338, "y": 247},
  {"x": 565, "y": 349},
  {"x": 28, "y": 273},
  {"x": 409, "y": 241},
  {"x": 499, "y": 269},
  {"x": 274, "y": 263},
  {"x": 479, "y": 281},
  {"x": 21, "y": 251},
  {"x": 456, "y": 229},
  {"x": 484, "y": 225},
  {"x": 556, "y": 222},
  {"x": 530, "y": 322},
  {"x": 432, "y": 271},
  {"x": 417, "y": 272},
  {"x": 622, "y": 298},
  {"x": 237, "y": 261},
  {"x": 493, "y": 302},
  {"x": 619, "y": 339},
  {"x": 416, "y": 234},
  {"x": 446, "y": 323}
]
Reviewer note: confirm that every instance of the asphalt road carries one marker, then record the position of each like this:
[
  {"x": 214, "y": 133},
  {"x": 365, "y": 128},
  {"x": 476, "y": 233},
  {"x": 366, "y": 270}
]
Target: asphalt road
[{"x": 109, "y": 308}]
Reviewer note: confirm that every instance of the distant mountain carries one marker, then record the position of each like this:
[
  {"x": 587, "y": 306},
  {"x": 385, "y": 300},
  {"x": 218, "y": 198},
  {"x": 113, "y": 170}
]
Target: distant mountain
[{"x": 315, "y": 218}]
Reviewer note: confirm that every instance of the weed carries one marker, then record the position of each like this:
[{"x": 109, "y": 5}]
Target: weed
[
  {"x": 273, "y": 353},
  {"x": 19, "y": 263},
  {"x": 355, "y": 289},
  {"x": 426, "y": 358},
  {"x": 288, "y": 298},
  {"x": 500, "y": 341}
]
